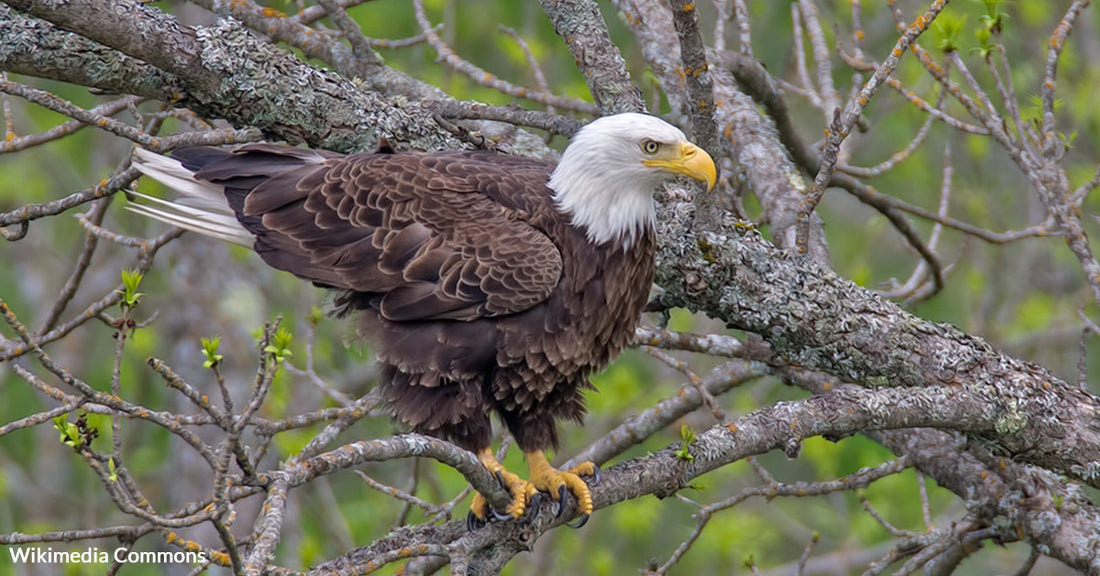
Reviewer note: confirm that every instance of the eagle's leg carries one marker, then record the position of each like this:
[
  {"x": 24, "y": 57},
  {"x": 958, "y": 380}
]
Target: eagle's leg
[
  {"x": 521, "y": 490},
  {"x": 555, "y": 482}
]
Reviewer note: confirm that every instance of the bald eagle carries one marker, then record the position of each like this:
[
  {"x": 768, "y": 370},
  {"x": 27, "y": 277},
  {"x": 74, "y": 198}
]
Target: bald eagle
[{"x": 489, "y": 282}]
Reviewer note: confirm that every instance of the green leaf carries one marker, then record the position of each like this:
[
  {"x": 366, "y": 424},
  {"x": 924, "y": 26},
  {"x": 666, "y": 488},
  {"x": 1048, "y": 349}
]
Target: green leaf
[
  {"x": 993, "y": 19},
  {"x": 131, "y": 279},
  {"x": 948, "y": 27},
  {"x": 70, "y": 435},
  {"x": 687, "y": 436},
  {"x": 210, "y": 350},
  {"x": 985, "y": 44},
  {"x": 280, "y": 344},
  {"x": 1067, "y": 140}
]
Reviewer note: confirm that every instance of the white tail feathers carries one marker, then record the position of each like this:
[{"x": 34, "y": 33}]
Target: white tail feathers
[{"x": 200, "y": 207}]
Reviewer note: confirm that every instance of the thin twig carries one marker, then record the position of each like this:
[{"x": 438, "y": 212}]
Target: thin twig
[
  {"x": 15, "y": 143},
  {"x": 842, "y": 123},
  {"x": 487, "y": 79}
]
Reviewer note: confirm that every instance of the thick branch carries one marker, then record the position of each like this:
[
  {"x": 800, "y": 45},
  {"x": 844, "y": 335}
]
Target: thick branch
[
  {"x": 992, "y": 487},
  {"x": 37, "y": 48},
  {"x": 754, "y": 79},
  {"x": 581, "y": 25},
  {"x": 133, "y": 29},
  {"x": 651, "y": 23},
  {"x": 815, "y": 319},
  {"x": 402, "y": 446},
  {"x": 258, "y": 84},
  {"x": 782, "y": 426},
  {"x": 693, "y": 54},
  {"x": 1034, "y": 500}
]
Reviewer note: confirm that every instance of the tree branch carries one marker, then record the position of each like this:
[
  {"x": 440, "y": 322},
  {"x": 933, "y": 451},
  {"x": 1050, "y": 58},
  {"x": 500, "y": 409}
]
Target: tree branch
[
  {"x": 136, "y": 30},
  {"x": 37, "y": 48},
  {"x": 256, "y": 84},
  {"x": 581, "y": 25},
  {"x": 815, "y": 319}
]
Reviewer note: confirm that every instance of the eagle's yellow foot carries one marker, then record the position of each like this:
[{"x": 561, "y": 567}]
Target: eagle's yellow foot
[
  {"x": 521, "y": 490},
  {"x": 555, "y": 482}
]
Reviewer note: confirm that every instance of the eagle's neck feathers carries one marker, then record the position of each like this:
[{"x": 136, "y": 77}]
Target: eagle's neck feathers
[{"x": 609, "y": 205}]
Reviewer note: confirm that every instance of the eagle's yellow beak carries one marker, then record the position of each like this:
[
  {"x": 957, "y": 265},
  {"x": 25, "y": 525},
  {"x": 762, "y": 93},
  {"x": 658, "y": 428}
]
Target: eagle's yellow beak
[{"x": 689, "y": 160}]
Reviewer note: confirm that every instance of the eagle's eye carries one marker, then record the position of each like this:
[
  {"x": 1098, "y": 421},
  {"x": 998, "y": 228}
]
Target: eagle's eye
[{"x": 650, "y": 146}]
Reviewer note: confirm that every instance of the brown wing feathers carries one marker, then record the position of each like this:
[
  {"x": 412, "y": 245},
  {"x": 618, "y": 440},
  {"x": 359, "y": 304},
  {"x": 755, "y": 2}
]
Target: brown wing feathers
[
  {"x": 419, "y": 237},
  {"x": 478, "y": 292}
]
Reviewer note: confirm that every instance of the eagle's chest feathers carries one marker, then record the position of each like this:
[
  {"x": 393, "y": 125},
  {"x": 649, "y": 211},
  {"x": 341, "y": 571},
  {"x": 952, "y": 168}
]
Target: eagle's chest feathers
[{"x": 582, "y": 326}]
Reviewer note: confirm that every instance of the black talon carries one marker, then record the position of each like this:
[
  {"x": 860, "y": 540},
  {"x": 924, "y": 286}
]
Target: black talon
[
  {"x": 473, "y": 522},
  {"x": 503, "y": 517},
  {"x": 532, "y": 507},
  {"x": 595, "y": 476},
  {"x": 580, "y": 522},
  {"x": 500, "y": 479},
  {"x": 561, "y": 502}
]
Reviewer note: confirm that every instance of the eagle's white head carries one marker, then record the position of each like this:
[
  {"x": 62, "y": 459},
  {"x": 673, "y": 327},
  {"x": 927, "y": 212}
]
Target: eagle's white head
[{"x": 608, "y": 174}]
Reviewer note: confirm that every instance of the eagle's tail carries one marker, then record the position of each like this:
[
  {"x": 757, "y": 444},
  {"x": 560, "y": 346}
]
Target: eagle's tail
[{"x": 200, "y": 207}]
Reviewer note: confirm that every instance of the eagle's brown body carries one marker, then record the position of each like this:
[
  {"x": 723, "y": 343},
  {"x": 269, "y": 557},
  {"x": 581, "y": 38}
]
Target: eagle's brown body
[
  {"x": 489, "y": 282},
  {"x": 480, "y": 294}
]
